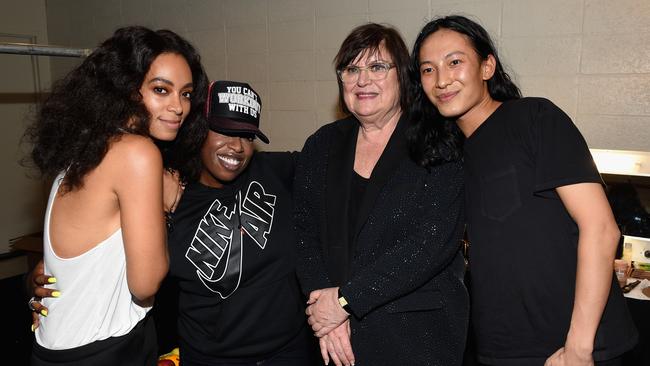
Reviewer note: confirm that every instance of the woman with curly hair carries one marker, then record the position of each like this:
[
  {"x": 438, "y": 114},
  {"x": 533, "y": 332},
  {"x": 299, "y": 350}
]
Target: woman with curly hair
[{"x": 100, "y": 134}]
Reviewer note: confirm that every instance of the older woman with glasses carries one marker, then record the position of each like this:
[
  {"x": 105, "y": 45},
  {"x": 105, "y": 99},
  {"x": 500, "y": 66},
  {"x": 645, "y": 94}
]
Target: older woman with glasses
[{"x": 379, "y": 235}]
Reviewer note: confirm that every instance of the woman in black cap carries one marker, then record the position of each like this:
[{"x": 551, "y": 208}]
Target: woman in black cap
[{"x": 232, "y": 247}]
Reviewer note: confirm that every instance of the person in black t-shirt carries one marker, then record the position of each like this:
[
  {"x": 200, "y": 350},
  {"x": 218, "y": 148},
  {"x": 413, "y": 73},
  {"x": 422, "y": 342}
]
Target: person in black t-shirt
[
  {"x": 542, "y": 234},
  {"x": 232, "y": 245}
]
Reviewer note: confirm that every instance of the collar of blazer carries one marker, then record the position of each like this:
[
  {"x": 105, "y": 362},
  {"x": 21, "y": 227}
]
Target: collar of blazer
[{"x": 340, "y": 165}]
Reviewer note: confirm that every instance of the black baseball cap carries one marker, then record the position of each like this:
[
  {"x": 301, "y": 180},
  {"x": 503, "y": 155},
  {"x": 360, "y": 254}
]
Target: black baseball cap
[{"x": 234, "y": 107}]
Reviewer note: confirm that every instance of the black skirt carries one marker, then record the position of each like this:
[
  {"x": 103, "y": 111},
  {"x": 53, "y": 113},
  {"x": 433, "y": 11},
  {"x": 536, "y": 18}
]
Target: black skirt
[{"x": 136, "y": 348}]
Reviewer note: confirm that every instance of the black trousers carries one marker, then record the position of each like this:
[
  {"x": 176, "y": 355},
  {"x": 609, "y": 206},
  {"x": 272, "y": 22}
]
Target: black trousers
[
  {"x": 137, "y": 348},
  {"x": 613, "y": 362},
  {"x": 302, "y": 351}
]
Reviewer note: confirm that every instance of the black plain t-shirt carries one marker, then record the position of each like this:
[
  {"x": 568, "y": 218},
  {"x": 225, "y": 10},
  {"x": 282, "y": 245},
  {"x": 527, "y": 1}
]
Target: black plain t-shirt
[{"x": 523, "y": 251}]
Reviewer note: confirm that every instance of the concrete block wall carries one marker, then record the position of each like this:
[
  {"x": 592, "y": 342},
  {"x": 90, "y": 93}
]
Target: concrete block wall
[
  {"x": 591, "y": 57},
  {"x": 22, "y": 197}
]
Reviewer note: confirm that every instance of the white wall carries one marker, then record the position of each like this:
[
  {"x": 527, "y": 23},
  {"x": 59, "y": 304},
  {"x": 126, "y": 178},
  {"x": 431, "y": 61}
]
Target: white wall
[{"x": 591, "y": 57}]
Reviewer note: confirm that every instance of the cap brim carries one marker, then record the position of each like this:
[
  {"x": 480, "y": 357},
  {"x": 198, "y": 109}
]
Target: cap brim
[{"x": 226, "y": 126}]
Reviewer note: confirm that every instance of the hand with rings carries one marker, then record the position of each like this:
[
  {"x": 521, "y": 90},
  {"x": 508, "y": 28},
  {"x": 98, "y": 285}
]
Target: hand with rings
[{"x": 36, "y": 282}]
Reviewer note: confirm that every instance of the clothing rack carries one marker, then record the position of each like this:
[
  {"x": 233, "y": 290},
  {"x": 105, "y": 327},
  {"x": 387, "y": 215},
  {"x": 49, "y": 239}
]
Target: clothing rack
[{"x": 42, "y": 50}]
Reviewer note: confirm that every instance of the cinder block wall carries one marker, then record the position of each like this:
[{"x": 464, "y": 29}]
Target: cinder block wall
[
  {"x": 20, "y": 77},
  {"x": 591, "y": 57}
]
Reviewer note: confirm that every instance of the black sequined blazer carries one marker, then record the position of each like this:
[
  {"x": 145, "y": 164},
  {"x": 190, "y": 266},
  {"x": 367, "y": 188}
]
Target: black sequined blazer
[{"x": 403, "y": 280}]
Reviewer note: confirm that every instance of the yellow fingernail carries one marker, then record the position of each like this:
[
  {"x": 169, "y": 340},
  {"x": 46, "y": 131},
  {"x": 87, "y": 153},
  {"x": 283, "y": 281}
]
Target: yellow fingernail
[
  {"x": 56, "y": 293},
  {"x": 33, "y": 329},
  {"x": 44, "y": 312},
  {"x": 51, "y": 280}
]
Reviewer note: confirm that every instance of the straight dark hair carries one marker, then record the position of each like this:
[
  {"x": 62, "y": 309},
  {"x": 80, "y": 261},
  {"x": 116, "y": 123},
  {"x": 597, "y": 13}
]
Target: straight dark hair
[
  {"x": 366, "y": 39},
  {"x": 432, "y": 137}
]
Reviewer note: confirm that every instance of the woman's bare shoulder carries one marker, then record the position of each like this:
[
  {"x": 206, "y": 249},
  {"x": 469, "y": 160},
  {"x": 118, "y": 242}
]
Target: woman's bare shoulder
[
  {"x": 134, "y": 149},
  {"x": 132, "y": 156},
  {"x": 134, "y": 144}
]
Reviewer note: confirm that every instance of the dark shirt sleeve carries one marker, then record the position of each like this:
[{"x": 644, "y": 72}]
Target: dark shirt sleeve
[
  {"x": 429, "y": 246},
  {"x": 308, "y": 192},
  {"x": 561, "y": 155},
  {"x": 284, "y": 165}
]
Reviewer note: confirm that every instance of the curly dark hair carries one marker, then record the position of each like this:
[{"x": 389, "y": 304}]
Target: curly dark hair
[
  {"x": 433, "y": 138},
  {"x": 99, "y": 101},
  {"x": 368, "y": 38}
]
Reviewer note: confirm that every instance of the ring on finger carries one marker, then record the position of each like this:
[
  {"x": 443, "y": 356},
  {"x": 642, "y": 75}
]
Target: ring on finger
[{"x": 31, "y": 302}]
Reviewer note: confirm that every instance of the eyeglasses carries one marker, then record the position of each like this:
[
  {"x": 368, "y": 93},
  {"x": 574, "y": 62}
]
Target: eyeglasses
[{"x": 376, "y": 71}]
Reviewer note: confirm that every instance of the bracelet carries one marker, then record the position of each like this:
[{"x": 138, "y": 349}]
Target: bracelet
[{"x": 344, "y": 303}]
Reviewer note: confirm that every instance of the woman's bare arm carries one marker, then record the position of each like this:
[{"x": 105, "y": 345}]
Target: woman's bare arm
[{"x": 137, "y": 168}]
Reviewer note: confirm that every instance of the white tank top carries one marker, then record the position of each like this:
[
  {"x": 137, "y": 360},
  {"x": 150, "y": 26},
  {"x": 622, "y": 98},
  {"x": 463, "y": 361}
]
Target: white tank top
[{"x": 95, "y": 301}]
